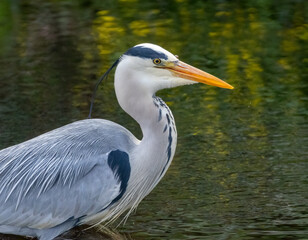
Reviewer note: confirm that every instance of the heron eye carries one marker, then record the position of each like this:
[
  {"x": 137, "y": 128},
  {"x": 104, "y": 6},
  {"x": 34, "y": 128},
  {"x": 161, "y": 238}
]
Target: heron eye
[{"x": 156, "y": 61}]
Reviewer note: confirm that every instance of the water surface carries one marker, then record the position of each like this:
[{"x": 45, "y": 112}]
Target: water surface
[{"x": 240, "y": 170}]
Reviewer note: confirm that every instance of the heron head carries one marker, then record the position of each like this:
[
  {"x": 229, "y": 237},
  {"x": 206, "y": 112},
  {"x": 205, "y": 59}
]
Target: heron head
[
  {"x": 156, "y": 68},
  {"x": 147, "y": 68}
]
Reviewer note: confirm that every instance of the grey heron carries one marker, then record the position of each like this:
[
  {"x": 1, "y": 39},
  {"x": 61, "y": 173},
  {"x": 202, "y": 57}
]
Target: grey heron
[{"x": 93, "y": 170}]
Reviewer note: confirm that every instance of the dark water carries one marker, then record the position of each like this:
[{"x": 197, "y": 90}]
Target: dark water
[{"x": 240, "y": 171}]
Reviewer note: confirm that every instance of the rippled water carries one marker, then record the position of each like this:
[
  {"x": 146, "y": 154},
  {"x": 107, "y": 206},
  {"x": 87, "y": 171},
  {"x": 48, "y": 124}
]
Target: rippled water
[{"x": 240, "y": 171}]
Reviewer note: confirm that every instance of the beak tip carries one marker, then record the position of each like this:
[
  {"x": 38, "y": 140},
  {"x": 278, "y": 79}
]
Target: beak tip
[{"x": 229, "y": 86}]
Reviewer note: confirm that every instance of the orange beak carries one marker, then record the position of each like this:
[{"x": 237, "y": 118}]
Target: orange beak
[{"x": 183, "y": 70}]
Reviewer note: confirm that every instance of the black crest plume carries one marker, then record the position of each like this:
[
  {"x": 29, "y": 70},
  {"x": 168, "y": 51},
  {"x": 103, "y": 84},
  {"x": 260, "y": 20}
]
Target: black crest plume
[{"x": 104, "y": 76}]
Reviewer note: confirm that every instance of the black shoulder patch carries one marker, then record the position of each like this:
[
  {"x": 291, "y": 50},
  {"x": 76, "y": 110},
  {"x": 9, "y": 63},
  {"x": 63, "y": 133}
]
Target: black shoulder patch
[
  {"x": 145, "y": 52},
  {"x": 118, "y": 161}
]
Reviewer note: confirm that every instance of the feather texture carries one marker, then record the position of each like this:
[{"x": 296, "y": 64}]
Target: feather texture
[{"x": 61, "y": 175}]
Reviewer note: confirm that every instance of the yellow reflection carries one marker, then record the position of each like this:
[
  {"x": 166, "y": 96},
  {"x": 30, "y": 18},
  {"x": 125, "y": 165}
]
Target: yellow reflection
[
  {"x": 108, "y": 28},
  {"x": 291, "y": 45},
  {"x": 222, "y": 13},
  {"x": 140, "y": 28},
  {"x": 238, "y": 39}
]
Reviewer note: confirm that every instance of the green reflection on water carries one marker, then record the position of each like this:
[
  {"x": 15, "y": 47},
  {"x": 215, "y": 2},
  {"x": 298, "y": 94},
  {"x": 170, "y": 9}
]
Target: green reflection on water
[{"x": 240, "y": 171}]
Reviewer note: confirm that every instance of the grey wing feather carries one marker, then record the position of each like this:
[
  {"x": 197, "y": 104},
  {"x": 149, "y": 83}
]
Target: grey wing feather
[{"x": 61, "y": 174}]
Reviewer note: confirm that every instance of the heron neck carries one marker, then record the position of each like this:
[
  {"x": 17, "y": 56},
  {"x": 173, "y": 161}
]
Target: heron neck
[
  {"x": 151, "y": 113},
  {"x": 158, "y": 119},
  {"x": 154, "y": 154},
  {"x": 155, "y": 151},
  {"x": 156, "y": 122},
  {"x": 150, "y": 158}
]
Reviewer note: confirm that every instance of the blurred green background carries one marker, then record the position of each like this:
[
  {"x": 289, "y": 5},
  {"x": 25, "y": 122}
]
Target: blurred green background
[{"x": 240, "y": 170}]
